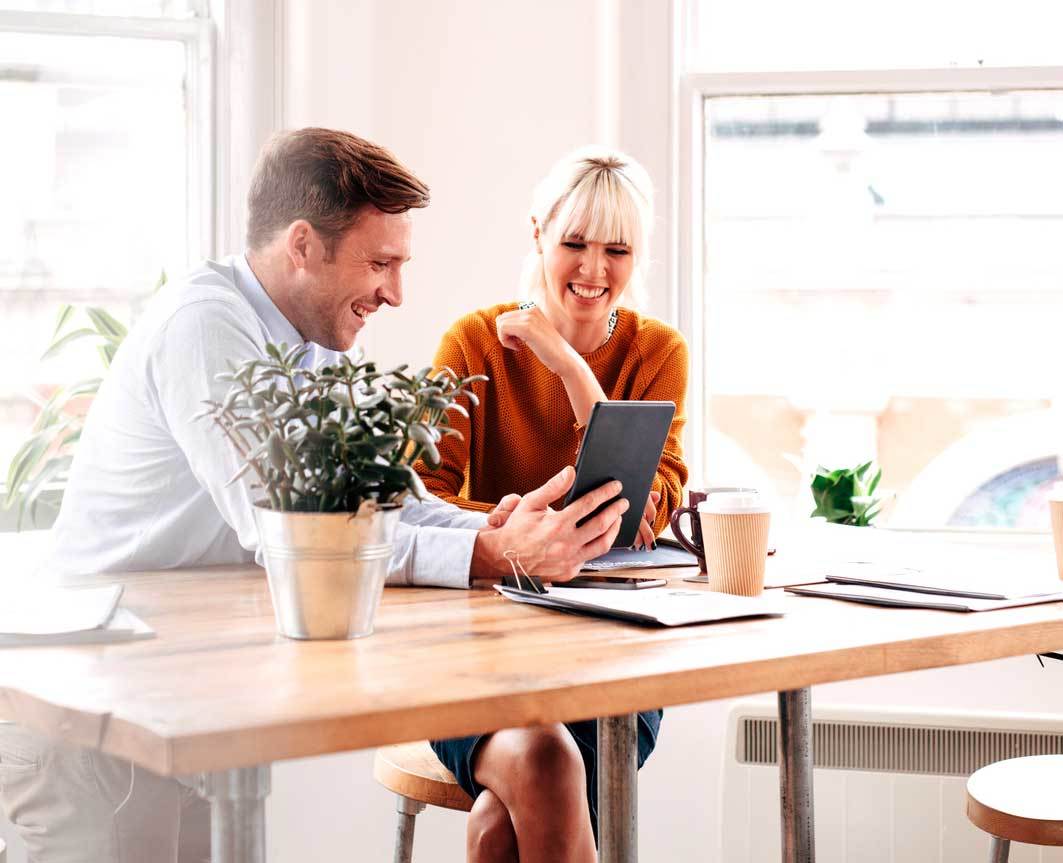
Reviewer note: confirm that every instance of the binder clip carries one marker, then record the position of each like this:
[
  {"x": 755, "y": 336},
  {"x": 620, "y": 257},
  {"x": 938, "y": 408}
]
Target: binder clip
[{"x": 520, "y": 575}]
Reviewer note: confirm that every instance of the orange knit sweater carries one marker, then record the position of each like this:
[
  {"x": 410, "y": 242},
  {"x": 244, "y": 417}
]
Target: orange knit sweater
[{"x": 524, "y": 430}]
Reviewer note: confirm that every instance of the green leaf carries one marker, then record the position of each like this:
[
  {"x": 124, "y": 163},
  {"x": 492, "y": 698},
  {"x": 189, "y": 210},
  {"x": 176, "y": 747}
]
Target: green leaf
[
  {"x": 65, "y": 311},
  {"x": 107, "y": 353},
  {"x": 106, "y": 324},
  {"x": 59, "y": 345},
  {"x": 37, "y": 486},
  {"x": 25, "y": 462}
]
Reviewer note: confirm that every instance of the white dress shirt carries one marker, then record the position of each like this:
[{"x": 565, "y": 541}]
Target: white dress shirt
[{"x": 148, "y": 486}]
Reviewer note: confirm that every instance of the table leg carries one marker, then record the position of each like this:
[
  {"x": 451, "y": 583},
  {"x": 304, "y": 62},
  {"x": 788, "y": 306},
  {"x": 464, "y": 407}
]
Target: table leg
[
  {"x": 618, "y": 789},
  {"x": 795, "y": 776},
  {"x": 237, "y": 813}
]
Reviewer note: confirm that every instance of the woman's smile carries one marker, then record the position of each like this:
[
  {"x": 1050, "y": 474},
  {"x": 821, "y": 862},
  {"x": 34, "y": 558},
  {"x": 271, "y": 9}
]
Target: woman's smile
[{"x": 587, "y": 292}]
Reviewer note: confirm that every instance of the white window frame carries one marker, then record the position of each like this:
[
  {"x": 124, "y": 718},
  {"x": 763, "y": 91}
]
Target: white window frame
[
  {"x": 687, "y": 300},
  {"x": 197, "y": 35}
]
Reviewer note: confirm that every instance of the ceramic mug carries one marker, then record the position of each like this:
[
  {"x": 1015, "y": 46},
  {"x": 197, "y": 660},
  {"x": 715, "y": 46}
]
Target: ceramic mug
[{"x": 694, "y": 543}]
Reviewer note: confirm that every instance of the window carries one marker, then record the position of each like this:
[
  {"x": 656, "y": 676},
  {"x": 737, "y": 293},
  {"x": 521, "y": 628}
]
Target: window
[
  {"x": 106, "y": 170},
  {"x": 876, "y": 258}
]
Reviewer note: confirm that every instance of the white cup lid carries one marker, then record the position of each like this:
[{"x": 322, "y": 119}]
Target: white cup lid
[{"x": 732, "y": 501}]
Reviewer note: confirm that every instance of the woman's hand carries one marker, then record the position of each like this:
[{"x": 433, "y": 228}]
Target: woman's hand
[
  {"x": 645, "y": 537},
  {"x": 503, "y": 510},
  {"x": 530, "y": 327}
]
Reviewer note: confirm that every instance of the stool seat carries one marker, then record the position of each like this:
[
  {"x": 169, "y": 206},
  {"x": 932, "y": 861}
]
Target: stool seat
[
  {"x": 412, "y": 770},
  {"x": 1019, "y": 799}
]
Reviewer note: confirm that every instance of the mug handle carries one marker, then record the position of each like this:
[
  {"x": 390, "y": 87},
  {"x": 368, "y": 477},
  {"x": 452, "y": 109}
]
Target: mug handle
[{"x": 681, "y": 538}]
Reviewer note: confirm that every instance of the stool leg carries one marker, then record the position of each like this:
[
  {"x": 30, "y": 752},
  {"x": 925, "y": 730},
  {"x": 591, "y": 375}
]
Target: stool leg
[
  {"x": 999, "y": 850},
  {"x": 408, "y": 811}
]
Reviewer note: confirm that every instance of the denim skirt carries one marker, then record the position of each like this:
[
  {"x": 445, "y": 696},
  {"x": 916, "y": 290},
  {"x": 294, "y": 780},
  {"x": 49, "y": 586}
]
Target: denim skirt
[{"x": 458, "y": 754}]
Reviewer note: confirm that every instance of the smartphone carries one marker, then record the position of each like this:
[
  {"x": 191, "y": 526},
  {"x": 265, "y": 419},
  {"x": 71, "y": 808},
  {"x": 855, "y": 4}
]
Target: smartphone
[{"x": 614, "y": 582}]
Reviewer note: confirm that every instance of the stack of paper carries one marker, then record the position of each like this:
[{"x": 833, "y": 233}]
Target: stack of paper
[
  {"x": 666, "y": 606},
  {"x": 39, "y": 616}
]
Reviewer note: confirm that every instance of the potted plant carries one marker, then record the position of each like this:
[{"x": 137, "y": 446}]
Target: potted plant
[
  {"x": 38, "y": 472},
  {"x": 37, "y": 475},
  {"x": 847, "y": 495},
  {"x": 331, "y": 450}
]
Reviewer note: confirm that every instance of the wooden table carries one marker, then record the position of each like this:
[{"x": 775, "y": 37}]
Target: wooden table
[{"x": 219, "y": 694}]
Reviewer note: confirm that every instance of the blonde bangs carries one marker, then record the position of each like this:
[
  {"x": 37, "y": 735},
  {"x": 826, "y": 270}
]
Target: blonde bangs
[{"x": 601, "y": 209}]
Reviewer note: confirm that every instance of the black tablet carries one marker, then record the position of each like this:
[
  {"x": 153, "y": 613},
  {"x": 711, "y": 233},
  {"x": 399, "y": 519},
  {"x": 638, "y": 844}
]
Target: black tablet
[{"x": 623, "y": 441}]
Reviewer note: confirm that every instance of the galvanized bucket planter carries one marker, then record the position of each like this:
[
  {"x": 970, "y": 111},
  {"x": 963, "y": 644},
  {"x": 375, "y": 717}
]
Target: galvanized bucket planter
[{"x": 326, "y": 571}]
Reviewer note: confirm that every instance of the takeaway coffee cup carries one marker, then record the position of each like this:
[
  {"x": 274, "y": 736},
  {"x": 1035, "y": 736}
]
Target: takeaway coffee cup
[
  {"x": 1055, "y": 506},
  {"x": 735, "y": 529},
  {"x": 694, "y": 543}
]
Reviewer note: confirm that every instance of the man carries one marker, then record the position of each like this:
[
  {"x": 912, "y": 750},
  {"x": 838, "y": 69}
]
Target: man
[{"x": 329, "y": 232}]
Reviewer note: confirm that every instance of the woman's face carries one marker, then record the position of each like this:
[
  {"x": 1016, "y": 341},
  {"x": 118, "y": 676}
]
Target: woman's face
[{"x": 585, "y": 280}]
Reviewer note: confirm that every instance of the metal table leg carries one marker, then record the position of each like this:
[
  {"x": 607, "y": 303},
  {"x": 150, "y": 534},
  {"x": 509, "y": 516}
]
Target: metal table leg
[
  {"x": 795, "y": 776},
  {"x": 618, "y": 789},
  {"x": 237, "y": 813}
]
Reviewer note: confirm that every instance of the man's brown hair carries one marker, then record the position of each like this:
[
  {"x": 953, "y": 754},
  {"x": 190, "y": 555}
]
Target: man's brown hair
[{"x": 325, "y": 177}]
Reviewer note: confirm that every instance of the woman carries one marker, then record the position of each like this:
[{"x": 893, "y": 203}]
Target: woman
[{"x": 549, "y": 360}]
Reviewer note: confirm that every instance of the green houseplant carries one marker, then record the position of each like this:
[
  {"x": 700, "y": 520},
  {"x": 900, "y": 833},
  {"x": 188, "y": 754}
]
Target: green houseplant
[
  {"x": 331, "y": 452},
  {"x": 847, "y": 495},
  {"x": 38, "y": 472},
  {"x": 43, "y": 460}
]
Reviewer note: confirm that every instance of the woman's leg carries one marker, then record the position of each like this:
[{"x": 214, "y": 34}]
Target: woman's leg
[
  {"x": 489, "y": 836},
  {"x": 537, "y": 774}
]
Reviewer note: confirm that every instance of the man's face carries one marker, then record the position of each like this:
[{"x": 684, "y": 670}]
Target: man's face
[{"x": 363, "y": 273}]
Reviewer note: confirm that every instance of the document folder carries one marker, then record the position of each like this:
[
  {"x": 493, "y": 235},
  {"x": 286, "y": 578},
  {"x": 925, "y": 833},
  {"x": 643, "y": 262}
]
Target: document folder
[{"x": 660, "y": 606}]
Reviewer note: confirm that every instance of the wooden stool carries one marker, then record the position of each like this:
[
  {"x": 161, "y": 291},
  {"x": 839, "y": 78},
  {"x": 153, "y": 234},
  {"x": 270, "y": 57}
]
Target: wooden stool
[
  {"x": 412, "y": 771},
  {"x": 1018, "y": 800}
]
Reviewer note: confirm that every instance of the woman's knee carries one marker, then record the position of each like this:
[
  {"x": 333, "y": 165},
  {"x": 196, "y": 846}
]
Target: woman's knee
[
  {"x": 543, "y": 760},
  {"x": 490, "y": 831}
]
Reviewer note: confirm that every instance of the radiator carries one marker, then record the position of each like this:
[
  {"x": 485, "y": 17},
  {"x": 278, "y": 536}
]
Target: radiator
[{"x": 889, "y": 784}]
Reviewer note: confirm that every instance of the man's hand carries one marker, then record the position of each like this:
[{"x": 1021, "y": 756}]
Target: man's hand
[
  {"x": 547, "y": 542},
  {"x": 645, "y": 537}
]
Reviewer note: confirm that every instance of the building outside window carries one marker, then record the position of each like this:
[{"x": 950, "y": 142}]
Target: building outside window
[
  {"x": 106, "y": 169},
  {"x": 876, "y": 269}
]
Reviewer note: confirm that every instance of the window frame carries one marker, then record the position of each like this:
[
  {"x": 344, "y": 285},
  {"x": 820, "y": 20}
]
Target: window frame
[
  {"x": 688, "y": 298},
  {"x": 196, "y": 33}
]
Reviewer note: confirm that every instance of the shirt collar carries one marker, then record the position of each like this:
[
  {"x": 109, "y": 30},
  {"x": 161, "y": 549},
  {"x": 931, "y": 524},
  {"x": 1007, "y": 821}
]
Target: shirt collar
[{"x": 280, "y": 329}]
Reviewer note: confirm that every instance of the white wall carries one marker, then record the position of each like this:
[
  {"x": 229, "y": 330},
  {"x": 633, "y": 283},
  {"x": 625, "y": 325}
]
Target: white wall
[{"x": 479, "y": 98}]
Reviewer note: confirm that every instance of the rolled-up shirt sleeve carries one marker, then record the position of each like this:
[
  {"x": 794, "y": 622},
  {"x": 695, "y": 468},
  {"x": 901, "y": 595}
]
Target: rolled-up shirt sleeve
[{"x": 433, "y": 544}]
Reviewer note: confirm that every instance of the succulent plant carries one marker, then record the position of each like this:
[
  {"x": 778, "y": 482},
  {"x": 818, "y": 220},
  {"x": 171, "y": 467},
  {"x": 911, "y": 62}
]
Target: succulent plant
[{"x": 329, "y": 439}]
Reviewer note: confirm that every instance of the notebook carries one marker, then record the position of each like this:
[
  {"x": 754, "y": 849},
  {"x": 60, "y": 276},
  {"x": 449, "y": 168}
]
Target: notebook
[
  {"x": 963, "y": 587},
  {"x": 55, "y": 615},
  {"x": 916, "y": 599},
  {"x": 661, "y": 606}
]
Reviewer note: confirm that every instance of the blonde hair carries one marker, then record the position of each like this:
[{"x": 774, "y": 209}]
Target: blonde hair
[{"x": 601, "y": 196}]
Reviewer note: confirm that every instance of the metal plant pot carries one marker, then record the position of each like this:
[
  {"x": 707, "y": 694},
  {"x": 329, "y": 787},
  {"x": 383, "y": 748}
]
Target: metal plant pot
[{"x": 326, "y": 571}]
